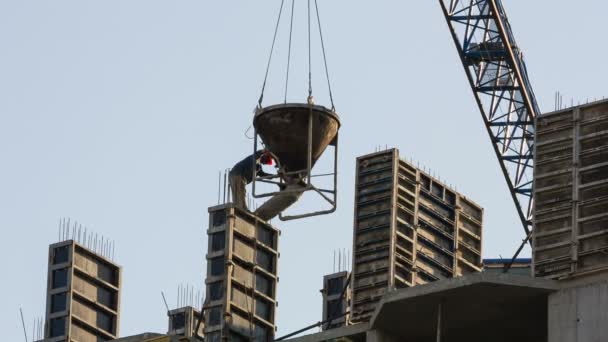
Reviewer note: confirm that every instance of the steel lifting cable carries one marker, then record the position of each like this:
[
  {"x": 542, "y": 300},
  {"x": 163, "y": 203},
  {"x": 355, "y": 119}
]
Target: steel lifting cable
[
  {"x": 293, "y": 4},
  {"x": 289, "y": 52},
  {"x": 309, "y": 58},
  {"x": 274, "y": 40},
  {"x": 331, "y": 97}
]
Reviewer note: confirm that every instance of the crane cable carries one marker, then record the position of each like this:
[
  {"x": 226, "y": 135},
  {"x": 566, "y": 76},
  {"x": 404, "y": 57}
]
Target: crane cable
[
  {"x": 274, "y": 40},
  {"x": 309, "y": 59},
  {"x": 331, "y": 97},
  {"x": 293, "y": 5},
  {"x": 289, "y": 52}
]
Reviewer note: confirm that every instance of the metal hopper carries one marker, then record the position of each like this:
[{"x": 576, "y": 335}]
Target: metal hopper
[{"x": 296, "y": 132}]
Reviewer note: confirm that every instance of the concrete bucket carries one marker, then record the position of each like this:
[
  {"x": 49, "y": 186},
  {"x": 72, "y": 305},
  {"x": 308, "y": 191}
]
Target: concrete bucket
[{"x": 285, "y": 130}]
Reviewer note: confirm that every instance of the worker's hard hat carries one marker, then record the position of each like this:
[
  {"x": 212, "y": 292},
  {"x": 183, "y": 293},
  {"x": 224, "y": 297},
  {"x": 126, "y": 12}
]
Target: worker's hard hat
[{"x": 266, "y": 158}]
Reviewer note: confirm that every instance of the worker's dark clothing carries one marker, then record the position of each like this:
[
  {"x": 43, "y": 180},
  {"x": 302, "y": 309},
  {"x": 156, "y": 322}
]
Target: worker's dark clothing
[
  {"x": 244, "y": 168},
  {"x": 242, "y": 174}
]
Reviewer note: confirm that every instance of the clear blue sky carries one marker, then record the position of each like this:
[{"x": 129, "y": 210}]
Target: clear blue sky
[{"x": 120, "y": 113}]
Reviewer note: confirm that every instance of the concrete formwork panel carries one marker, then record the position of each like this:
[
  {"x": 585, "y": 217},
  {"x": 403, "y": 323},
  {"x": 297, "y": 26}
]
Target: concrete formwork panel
[
  {"x": 185, "y": 322},
  {"x": 241, "y": 281},
  {"x": 336, "y": 300},
  {"x": 409, "y": 229},
  {"x": 83, "y": 296},
  {"x": 571, "y": 192}
]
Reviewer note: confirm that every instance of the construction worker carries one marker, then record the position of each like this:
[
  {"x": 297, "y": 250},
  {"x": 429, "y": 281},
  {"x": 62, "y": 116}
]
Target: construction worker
[{"x": 243, "y": 172}]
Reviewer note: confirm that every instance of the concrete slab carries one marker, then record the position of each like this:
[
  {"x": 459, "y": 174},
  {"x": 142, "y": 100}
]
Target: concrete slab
[
  {"x": 141, "y": 337},
  {"x": 352, "y": 333},
  {"x": 477, "y": 307}
]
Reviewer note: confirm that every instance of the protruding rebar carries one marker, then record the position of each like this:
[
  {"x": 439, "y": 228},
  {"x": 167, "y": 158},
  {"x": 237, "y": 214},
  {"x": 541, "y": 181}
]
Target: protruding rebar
[{"x": 23, "y": 323}]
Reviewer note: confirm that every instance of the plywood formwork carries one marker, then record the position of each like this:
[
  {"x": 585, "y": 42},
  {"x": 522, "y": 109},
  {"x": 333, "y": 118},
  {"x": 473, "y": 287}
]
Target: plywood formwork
[
  {"x": 83, "y": 296},
  {"x": 241, "y": 281},
  {"x": 571, "y": 192},
  {"x": 185, "y": 322},
  {"x": 336, "y": 300},
  {"x": 409, "y": 229}
]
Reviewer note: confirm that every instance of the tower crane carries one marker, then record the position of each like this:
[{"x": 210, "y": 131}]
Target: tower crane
[{"x": 497, "y": 73}]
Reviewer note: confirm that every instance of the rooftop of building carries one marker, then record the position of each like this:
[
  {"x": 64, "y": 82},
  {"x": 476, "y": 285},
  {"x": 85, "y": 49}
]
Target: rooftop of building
[
  {"x": 504, "y": 261},
  {"x": 593, "y": 103},
  {"x": 152, "y": 337},
  {"x": 482, "y": 306}
]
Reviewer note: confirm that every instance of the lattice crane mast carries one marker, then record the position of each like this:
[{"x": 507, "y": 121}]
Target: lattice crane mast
[{"x": 497, "y": 74}]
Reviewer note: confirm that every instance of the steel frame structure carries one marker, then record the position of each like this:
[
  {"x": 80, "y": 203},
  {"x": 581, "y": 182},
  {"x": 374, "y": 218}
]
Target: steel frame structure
[
  {"x": 329, "y": 195},
  {"x": 497, "y": 74}
]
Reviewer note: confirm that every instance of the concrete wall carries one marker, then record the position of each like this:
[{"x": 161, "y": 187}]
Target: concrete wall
[
  {"x": 570, "y": 192},
  {"x": 579, "y": 314},
  {"x": 380, "y": 336}
]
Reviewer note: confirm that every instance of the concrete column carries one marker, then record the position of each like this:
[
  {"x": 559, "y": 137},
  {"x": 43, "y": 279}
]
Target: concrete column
[{"x": 579, "y": 314}]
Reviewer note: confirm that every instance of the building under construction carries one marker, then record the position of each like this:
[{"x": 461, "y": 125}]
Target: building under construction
[
  {"x": 242, "y": 266},
  {"x": 417, "y": 270},
  {"x": 571, "y": 192},
  {"x": 410, "y": 229},
  {"x": 83, "y": 296},
  {"x": 560, "y": 295}
]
